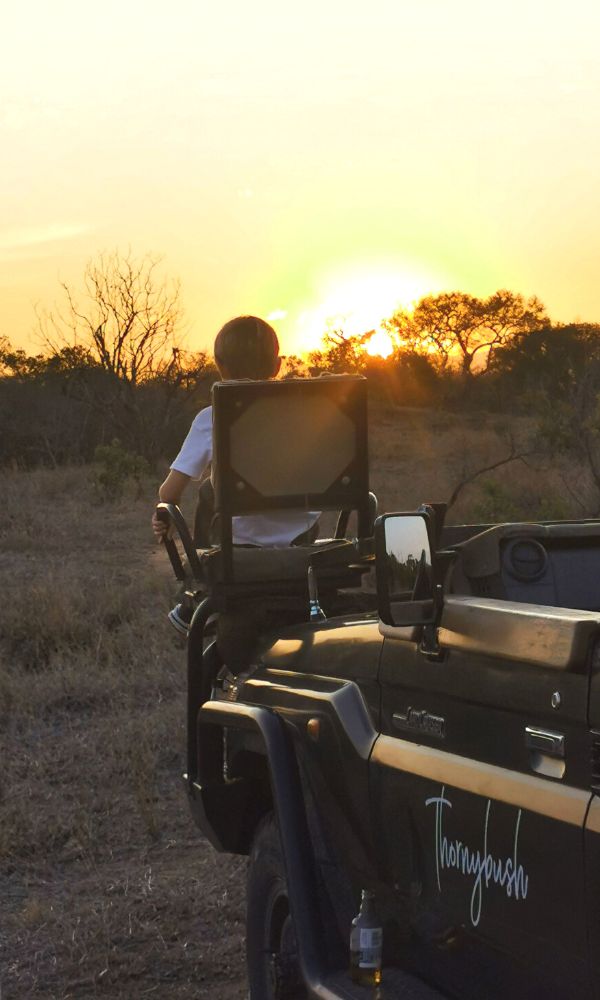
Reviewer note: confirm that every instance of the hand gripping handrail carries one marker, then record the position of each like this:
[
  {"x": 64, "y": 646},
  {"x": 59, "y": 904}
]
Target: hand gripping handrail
[{"x": 171, "y": 515}]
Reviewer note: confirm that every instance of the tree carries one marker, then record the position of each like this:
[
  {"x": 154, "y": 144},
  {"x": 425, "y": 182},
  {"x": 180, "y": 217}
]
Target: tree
[
  {"x": 552, "y": 359},
  {"x": 15, "y": 363},
  {"x": 553, "y": 375},
  {"x": 128, "y": 318},
  {"x": 39, "y": 419},
  {"x": 341, "y": 353},
  {"x": 461, "y": 331},
  {"x": 469, "y": 473},
  {"x": 294, "y": 366},
  {"x": 125, "y": 328}
]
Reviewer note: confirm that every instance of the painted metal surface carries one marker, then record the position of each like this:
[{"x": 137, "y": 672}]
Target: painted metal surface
[
  {"x": 460, "y": 787},
  {"x": 328, "y": 671},
  {"x": 479, "y": 845},
  {"x": 552, "y": 638}
]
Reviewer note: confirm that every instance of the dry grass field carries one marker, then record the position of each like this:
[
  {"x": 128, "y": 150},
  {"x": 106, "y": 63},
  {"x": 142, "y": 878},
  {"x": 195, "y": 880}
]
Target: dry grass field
[{"x": 106, "y": 887}]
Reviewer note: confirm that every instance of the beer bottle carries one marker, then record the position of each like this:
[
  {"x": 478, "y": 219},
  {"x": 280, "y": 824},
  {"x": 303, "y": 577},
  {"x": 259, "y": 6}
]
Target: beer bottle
[{"x": 366, "y": 939}]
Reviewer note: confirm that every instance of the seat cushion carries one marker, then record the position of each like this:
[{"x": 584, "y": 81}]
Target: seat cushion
[{"x": 333, "y": 560}]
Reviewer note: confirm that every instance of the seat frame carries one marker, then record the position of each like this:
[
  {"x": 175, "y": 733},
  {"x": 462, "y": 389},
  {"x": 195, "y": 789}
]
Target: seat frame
[{"x": 339, "y": 562}]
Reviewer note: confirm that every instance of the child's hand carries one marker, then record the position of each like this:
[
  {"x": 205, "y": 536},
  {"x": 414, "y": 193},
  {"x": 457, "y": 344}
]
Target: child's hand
[{"x": 160, "y": 528}]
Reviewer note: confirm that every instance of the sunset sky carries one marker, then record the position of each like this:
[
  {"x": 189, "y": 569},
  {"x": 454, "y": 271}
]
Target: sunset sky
[{"x": 307, "y": 162}]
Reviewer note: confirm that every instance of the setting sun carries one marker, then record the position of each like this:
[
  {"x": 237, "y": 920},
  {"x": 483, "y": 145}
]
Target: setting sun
[
  {"x": 357, "y": 300},
  {"x": 379, "y": 345}
]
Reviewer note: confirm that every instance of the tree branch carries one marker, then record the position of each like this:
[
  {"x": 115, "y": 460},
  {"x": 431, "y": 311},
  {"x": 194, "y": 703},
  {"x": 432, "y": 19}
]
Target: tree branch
[{"x": 513, "y": 456}]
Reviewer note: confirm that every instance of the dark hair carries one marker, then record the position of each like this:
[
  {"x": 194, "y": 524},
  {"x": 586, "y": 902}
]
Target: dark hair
[{"x": 247, "y": 347}]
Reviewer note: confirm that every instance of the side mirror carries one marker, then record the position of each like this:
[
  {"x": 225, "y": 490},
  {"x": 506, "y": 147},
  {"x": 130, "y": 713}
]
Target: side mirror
[{"x": 405, "y": 579}]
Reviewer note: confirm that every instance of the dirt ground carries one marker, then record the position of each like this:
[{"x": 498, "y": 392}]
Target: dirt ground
[{"x": 106, "y": 887}]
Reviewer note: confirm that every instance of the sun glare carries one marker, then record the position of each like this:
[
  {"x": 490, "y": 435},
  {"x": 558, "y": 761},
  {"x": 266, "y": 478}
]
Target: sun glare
[
  {"x": 357, "y": 301},
  {"x": 380, "y": 345}
]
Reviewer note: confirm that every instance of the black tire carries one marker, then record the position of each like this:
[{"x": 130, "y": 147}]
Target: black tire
[{"x": 273, "y": 970}]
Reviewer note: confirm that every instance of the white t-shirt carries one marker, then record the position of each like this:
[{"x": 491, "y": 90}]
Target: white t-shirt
[{"x": 276, "y": 528}]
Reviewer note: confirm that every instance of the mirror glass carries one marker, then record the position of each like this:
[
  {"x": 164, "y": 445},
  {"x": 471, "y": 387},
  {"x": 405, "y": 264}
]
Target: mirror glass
[{"x": 405, "y": 580}]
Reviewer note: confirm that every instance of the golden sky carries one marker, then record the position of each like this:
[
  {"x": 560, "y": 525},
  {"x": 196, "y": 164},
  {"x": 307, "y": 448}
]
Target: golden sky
[{"x": 302, "y": 161}]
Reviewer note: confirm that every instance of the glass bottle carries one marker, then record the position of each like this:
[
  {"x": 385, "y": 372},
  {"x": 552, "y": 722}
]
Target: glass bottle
[{"x": 366, "y": 939}]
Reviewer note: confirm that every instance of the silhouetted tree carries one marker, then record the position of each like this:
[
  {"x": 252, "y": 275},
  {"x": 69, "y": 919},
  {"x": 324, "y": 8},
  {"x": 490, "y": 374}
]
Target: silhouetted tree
[
  {"x": 403, "y": 379},
  {"x": 459, "y": 330},
  {"x": 553, "y": 375},
  {"x": 15, "y": 363},
  {"x": 341, "y": 352},
  {"x": 551, "y": 359},
  {"x": 294, "y": 367},
  {"x": 127, "y": 318},
  {"x": 40, "y": 420},
  {"x": 125, "y": 326}
]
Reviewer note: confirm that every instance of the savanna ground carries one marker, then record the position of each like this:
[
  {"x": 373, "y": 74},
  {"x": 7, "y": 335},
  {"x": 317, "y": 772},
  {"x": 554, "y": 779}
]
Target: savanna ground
[{"x": 106, "y": 887}]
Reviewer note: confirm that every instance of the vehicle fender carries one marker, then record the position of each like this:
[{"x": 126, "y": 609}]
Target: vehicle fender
[
  {"x": 333, "y": 731},
  {"x": 218, "y": 807},
  {"x": 221, "y": 806}
]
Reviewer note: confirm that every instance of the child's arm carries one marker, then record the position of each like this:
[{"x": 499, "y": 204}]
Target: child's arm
[
  {"x": 195, "y": 454},
  {"x": 169, "y": 492}
]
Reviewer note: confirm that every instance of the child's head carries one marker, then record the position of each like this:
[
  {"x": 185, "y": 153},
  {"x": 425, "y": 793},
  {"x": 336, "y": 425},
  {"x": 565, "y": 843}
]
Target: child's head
[{"x": 247, "y": 347}]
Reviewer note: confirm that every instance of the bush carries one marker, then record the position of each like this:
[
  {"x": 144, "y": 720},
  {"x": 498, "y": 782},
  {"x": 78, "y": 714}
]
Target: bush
[
  {"x": 499, "y": 503},
  {"x": 118, "y": 468}
]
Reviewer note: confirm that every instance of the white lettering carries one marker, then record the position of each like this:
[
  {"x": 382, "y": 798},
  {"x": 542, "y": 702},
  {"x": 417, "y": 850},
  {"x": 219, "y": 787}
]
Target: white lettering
[{"x": 480, "y": 864}]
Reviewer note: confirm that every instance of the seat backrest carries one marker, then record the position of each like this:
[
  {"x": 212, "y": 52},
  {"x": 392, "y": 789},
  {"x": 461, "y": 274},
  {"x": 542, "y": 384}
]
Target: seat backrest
[{"x": 290, "y": 444}]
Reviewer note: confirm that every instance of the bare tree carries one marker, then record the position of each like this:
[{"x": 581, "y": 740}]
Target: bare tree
[
  {"x": 469, "y": 475},
  {"x": 126, "y": 321},
  {"x": 127, "y": 318}
]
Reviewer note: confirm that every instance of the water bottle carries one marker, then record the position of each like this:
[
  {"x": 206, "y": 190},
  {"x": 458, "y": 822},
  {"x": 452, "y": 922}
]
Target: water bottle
[{"x": 366, "y": 940}]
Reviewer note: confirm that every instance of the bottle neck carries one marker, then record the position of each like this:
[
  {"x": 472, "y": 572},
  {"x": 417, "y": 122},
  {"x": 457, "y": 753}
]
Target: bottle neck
[{"x": 367, "y": 905}]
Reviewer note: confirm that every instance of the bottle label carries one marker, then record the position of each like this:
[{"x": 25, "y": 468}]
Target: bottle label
[{"x": 371, "y": 939}]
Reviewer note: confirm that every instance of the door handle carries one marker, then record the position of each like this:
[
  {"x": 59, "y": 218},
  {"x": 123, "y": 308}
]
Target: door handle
[{"x": 545, "y": 741}]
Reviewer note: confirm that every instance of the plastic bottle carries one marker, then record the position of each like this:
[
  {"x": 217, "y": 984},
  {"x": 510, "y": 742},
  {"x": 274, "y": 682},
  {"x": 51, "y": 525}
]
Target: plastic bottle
[{"x": 366, "y": 939}]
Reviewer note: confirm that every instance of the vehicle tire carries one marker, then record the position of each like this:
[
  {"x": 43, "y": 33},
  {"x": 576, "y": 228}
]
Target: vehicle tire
[{"x": 273, "y": 969}]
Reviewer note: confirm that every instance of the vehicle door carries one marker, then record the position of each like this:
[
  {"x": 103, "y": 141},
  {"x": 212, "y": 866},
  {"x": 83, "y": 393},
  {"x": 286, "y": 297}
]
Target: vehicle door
[
  {"x": 592, "y": 829},
  {"x": 480, "y": 784}
]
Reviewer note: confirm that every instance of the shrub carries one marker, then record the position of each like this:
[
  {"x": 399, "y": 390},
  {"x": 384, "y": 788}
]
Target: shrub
[
  {"x": 118, "y": 467},
  {"x": 499, "y": 503}
]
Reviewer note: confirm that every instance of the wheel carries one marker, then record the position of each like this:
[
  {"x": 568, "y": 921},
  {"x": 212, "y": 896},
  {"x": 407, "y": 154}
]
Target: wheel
[{"x": 273, "y": 969}]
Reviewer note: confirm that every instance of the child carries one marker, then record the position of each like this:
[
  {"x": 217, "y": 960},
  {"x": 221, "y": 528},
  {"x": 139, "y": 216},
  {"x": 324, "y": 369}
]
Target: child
[{"x": 245, "y": 348}]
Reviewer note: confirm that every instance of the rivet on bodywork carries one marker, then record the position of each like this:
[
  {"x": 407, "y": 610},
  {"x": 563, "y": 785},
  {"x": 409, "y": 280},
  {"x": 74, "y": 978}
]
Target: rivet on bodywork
[
  {"x": 556, "y": 699},
  {"x": 313, "y": 728}
]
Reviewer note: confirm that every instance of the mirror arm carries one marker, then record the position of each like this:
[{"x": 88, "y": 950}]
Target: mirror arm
[
  {"x": 437, "y": 515},
  {"x": 429, "y": 644}
]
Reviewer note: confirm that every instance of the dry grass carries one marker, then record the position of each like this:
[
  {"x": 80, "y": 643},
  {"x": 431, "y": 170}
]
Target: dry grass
[
  {"x": 107, "y": 890},
  {"x": 422, "y": 455}
]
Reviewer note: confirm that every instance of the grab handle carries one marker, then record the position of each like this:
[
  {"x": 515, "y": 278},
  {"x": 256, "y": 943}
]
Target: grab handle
[{"x": 545, "y": 741}]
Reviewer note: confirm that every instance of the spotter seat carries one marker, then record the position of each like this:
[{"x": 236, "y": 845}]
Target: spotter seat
[{"x": 296, "y": 444}]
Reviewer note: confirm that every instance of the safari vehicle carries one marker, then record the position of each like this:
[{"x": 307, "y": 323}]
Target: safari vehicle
[{"x": 436, "y": 742}]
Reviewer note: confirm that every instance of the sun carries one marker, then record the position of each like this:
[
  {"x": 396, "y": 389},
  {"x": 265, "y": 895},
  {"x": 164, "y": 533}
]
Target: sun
[
  {"x": 357, "y": 300},
  {"x": 379, "y": 344}
]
